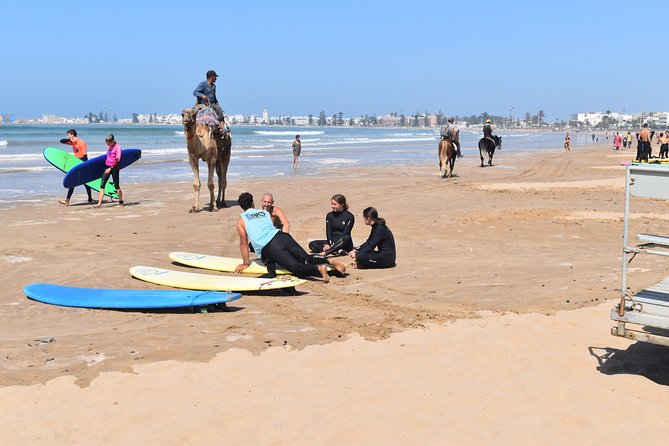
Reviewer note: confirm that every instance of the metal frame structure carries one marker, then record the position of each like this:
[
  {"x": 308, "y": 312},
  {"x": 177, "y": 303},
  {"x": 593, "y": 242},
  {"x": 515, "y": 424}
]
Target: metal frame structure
[{"x": 649, "y": 308}]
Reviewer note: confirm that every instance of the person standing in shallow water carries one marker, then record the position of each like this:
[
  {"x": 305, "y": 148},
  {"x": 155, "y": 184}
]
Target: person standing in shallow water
[{"x": 297, "y": 149}]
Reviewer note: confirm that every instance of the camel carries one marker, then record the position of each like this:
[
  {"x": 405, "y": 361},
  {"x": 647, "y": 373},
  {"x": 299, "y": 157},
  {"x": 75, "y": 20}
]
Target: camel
[{"x": 209, "y": 145}]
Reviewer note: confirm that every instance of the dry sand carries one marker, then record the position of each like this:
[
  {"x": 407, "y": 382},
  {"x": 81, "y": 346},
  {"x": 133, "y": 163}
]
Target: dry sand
[{"x": 492, "y": 329}]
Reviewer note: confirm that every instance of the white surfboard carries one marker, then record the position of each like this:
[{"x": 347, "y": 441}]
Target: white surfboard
[
  {"x": 227, "y": 264},
  {"x": 196, "y": 281}
]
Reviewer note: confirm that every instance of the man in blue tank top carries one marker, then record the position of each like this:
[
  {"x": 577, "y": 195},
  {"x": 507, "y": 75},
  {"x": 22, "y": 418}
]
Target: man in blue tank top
[{"x": 275, "y": 246}]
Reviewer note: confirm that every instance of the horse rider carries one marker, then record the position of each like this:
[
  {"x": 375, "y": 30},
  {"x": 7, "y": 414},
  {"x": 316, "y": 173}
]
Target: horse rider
[
  {"x": 205, "y": 92},
  {"x": 451, "y": 132},
  {"x": 487, "y": 131}
]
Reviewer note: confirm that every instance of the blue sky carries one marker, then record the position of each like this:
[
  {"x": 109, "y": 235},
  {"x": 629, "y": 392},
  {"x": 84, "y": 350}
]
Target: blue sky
[{"x": 301, "y": 57}]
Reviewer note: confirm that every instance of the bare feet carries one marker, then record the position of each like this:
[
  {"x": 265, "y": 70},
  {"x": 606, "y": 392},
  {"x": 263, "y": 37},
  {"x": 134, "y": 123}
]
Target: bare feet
[
  {"x": 323, "y": 270},
  {"x": 99, "y": 205},
  {"x": 340, "y": 267},
  {"x": 64, "y": 202}
]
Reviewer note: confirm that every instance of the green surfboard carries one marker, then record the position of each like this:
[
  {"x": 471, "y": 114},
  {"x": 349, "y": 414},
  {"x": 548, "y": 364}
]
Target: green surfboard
[{"x": 64, "y": 161}]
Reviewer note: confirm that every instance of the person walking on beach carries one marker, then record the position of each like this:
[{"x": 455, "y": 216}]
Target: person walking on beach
[
  {"x": 112, "y": 162},
  {"x": 275, "y": 246},
  {"x": 567, "y": 143},
  {"x": 617, "y": 140},
  {"x": 205, "y": 92},
  {"x": 81, "y": 152},
  {"x": 297, "y": 149},
  {"x": 629, "y": 140},
  {"x": 451, "y": 132}
]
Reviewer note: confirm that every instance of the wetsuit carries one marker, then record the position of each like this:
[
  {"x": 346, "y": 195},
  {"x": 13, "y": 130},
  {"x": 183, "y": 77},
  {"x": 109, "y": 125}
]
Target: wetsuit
[
  {"x": 338, "y": 226},
  {"x": 113, "y": 159},
  {"x": 379, "y": 249}
]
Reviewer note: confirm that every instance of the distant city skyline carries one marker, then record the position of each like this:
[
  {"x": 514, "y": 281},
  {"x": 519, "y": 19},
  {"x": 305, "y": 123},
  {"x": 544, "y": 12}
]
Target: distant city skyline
[{"x": 302, "y": 57}]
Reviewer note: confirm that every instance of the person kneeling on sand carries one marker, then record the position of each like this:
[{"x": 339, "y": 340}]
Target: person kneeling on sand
[
  {"x": 275, "y": 246},
  {"x": 379, "y": 249}
]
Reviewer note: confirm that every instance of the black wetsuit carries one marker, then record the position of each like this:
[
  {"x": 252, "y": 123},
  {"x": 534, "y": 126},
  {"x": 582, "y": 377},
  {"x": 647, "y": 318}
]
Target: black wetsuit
[
  {"x": 381, "y": 239},
  {"x": 285, "y": 251},
  {"x": 338, "y": 226}
]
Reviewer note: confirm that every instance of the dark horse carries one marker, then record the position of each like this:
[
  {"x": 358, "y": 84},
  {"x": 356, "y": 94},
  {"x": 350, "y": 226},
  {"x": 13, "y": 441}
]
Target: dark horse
[{"x": 487, "y": 146}]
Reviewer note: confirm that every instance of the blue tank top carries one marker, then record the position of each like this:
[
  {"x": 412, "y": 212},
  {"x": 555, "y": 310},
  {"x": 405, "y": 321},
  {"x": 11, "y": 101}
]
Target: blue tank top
[{"x": 259, "y": 228}]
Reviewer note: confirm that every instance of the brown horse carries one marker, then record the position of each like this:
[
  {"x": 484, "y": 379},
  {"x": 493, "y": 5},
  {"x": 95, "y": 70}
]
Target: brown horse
[{"x": 447, "y": 154}]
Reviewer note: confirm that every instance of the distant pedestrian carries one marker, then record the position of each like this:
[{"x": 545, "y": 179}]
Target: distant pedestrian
[
  {"x": 593, "y": 137},
  {"x": 617, "y": 140},
  {"x": 567, "y": 143},
  {"x": 112, "y": 162},
  {"x": 629, "y": 140},
  {"x": 663, "y": 139},
  {"x": 80, "y": 151},
  {"x": 297, "y": 149}
]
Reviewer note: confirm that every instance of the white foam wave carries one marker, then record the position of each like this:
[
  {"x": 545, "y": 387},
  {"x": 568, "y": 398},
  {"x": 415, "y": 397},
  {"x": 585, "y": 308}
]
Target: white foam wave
[
  {"x": 167, "y": 151},
  {"x": 290, "y": 132},
  {"x": 23, "y": 169},
  {"x": 338, "y": 161},
  {"x": 4, "y": 142},
  {"x": 21, "y": 157},
  {"x": 180, "y": 132}
]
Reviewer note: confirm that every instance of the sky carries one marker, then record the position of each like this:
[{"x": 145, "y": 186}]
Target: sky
[{"x": 69, "y": 58}]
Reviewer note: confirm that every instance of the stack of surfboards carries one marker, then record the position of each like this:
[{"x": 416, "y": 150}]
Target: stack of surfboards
[
  {"x": 197, "y": 281},
  {"x": 196, "y": 290}
]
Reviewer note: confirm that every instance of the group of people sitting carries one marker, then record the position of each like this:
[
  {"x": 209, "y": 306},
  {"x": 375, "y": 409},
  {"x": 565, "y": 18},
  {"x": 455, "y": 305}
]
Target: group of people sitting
[{"x": 265, "y": 231}]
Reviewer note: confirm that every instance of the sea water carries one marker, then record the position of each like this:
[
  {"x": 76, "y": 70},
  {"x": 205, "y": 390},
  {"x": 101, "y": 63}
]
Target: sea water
[{"x": 257, "y": 151}]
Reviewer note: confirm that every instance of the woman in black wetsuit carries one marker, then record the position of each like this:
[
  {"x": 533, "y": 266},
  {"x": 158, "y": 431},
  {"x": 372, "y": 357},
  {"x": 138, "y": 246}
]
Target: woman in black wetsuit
[
  {"x": 379, "y": 249},
  {"x": 338, "y": 226}
]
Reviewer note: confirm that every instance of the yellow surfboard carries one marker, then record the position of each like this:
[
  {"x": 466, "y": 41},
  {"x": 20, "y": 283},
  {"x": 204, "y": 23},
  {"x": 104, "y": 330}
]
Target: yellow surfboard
[
  {"x": 196, "y": 281},
  {"x": 227, "y": 264}
]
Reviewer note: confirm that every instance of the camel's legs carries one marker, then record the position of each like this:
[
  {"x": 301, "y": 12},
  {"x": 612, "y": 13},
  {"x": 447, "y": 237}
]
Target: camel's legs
[{"x": 196, "y": 182}]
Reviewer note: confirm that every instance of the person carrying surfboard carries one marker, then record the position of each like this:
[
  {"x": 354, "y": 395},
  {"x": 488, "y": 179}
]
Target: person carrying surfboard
[
  {"x": 80, "y": 151},
  {"x": 275, "y": 246},
  {"x": 112, "y": 162}
]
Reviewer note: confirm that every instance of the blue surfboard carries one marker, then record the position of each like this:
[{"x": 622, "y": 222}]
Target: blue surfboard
[
  {"x": 94, "y": 168},
  {"x": 124, "y": 299}
]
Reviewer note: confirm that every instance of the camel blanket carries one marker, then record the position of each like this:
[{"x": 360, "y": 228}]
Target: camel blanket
[{"x": 207, "y": 116}]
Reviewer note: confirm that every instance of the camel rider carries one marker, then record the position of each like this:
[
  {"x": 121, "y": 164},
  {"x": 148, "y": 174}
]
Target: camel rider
[
  {"x": 487, "y": 131},
  {"x": 451, "y": 132},
  {"x": 205, "y": 92}
]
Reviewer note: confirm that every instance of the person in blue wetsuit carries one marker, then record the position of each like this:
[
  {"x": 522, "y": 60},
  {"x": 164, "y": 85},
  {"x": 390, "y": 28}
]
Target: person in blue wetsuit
[
  {"x": 338, "y": 226},
  {"x": 379, "y": 249},
  {"x": 275, "y": 246}
]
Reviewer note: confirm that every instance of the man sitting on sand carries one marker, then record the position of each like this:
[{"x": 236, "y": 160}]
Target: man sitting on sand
[
  {"x": 275, "y": 246},
  {"x": 279, "y": 219}
]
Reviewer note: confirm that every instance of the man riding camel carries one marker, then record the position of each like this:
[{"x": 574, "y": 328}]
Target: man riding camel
[
  {"x": 205, "y": 92},
  {"x": 451, "y": 132}
]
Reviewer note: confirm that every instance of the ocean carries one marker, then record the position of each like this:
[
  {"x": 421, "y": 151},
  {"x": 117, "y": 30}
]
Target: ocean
[{"x": 256, "y": 152}]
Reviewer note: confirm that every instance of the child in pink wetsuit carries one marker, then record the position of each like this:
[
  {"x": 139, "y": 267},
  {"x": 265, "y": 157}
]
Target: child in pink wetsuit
[{"x": 112, "y": 162}]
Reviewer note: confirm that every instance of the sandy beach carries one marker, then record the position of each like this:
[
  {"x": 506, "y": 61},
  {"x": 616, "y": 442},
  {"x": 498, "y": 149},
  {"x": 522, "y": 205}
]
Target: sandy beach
[{"x": 492, "y": 329}]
